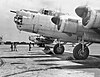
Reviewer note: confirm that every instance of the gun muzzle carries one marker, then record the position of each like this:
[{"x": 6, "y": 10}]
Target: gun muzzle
[{"x": 12, "y": 11}]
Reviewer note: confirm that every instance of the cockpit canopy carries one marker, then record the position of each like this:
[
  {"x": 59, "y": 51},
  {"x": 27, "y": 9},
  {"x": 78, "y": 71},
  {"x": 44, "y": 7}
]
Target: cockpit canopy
[
  {"x": 47, "y": 12},
  {"x": 44, "y": 11},
  {"x": 50, "y": 12}
]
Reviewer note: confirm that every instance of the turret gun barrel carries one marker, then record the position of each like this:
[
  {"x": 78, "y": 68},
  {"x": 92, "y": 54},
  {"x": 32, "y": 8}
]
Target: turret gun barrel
[{"x": 12, "y": 11}]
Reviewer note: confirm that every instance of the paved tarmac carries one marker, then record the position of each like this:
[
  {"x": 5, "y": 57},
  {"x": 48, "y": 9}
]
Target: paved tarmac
[{"x": 36, "y": 63}]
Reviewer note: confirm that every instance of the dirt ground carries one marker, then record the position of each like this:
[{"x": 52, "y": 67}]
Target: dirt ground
[{"x": 36, "y": 63}]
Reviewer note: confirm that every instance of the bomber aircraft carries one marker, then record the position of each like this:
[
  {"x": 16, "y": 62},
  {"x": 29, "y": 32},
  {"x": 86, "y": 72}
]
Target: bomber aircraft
[{"x": 63, "y": 27}]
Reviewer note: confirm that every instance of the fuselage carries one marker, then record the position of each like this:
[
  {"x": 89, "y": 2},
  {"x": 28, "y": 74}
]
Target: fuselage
[{"x": 67, "y": 29}]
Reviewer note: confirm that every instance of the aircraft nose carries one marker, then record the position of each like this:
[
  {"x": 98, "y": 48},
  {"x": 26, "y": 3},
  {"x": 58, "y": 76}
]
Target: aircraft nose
[{"x": 18, "y": 20}]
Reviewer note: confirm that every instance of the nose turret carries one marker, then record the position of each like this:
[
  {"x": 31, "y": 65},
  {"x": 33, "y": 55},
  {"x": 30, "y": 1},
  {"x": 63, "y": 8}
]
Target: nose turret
[
  {"x": 25, "y": 20},
  {"x": 18, "y": 19}
]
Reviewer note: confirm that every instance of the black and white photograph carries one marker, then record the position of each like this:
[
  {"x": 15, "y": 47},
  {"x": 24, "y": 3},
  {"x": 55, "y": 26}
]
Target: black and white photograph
[{"x": 49, "y": 38}]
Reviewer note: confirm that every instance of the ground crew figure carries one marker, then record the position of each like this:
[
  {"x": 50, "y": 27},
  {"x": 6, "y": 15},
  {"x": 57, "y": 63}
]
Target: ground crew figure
[
  {"x": 30, "y": 46},
  {"x": 11, "y": 47},
  {"x": 15, "y": 48},
  {"x": 33, "y": 44}
]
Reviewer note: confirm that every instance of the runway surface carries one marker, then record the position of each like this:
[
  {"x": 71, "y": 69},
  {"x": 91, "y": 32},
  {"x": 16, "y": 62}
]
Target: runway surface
[{"x": 36, "y": 63}]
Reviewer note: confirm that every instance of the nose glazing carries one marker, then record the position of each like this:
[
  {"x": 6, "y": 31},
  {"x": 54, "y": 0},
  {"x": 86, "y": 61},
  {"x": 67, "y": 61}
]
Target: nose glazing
[{"x": 18, "y": 20}]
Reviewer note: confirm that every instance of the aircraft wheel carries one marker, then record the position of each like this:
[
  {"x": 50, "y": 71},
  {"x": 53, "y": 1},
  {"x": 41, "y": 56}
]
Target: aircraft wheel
[
  {"x": 58, "y": 49},
  {"x": 47, "y": 50},
  {"x": 79, "y": 54}
]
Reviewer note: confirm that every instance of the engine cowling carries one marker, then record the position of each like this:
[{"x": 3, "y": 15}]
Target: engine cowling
[{"x": 90, "y": 17}]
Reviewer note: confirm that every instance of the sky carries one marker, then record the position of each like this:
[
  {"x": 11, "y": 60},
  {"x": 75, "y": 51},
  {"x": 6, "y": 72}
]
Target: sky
[{"x": 7, "y": 26}]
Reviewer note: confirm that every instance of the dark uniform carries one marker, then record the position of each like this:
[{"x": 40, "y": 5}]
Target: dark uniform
[
  {"x": 30, "y": 46},
  {"x": 11, "y": 47},
  {"x": 15, "y": 48}
]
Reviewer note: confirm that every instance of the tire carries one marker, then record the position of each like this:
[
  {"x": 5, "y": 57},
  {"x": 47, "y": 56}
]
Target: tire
[
  {"x": 78, "y": 55},
  {"x": 58, "y": 49},
  {"x": 47, "y": 50}
]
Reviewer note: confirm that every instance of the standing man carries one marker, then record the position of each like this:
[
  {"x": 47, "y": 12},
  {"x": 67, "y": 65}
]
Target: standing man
[
  {"x": 11, "y": 47},
  {"x": 30, "y": 46},
  {"x": 15, "y": 48}
]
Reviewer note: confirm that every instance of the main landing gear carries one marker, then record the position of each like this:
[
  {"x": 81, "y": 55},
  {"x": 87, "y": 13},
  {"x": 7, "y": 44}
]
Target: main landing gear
[
  {"x": 57, "y": 49},
  {"x": 80, "y": 52}
]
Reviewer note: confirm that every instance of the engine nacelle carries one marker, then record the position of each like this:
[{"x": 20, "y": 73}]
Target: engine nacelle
[{"x": 90, "y": 17}]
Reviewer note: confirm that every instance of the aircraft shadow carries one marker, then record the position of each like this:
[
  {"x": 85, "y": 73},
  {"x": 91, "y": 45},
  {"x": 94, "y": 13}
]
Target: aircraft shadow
[
  {"x": 93, "y": 61},
  {"x": 50, "y": 64},
  {"x": 84, "y": 66}
]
